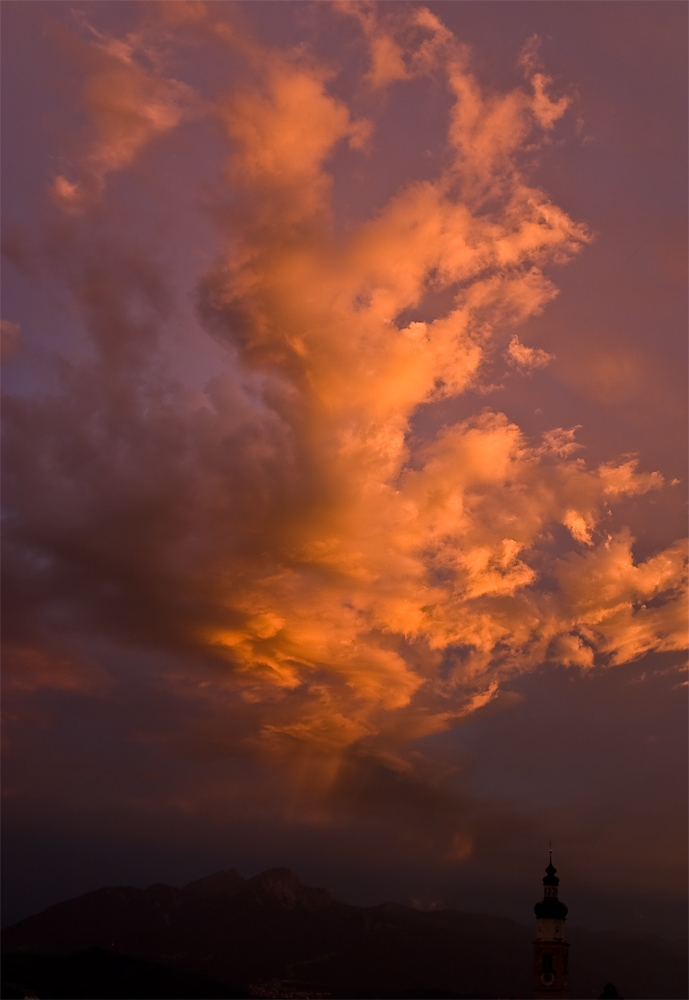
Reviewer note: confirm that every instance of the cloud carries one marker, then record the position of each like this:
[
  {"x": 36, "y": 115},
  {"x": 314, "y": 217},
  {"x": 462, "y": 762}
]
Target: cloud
[
  {"x": 386, "y": 55},
  {"x": 281, "y": 535},
  {"x": 127, "y": 105},
  {"x": 610, "y": 596},
  {"x": 28, "y": 667},
  {"x": 526, "y": 358},
  {"x": 284, "y": 133}
]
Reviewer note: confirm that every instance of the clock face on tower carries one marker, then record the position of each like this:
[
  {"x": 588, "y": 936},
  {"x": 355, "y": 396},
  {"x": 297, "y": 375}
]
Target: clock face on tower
[{"x": 547, "y": 978}]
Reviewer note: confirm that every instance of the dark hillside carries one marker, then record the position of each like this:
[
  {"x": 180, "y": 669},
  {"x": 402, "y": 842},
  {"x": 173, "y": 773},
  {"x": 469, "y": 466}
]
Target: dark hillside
[{"x": 285, "y": 938}]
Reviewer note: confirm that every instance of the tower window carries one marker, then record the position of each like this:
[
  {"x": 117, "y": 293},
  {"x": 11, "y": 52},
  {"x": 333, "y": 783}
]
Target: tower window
[{"x": 547, "y": 962}]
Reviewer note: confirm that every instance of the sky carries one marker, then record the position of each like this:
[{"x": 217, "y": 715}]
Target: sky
[{"x": 344, "y": 373}]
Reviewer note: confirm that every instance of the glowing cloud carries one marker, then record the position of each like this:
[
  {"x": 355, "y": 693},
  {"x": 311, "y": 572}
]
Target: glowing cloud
[
  {"x": 351, "y": 581},
  {"x": 128, "y": 106},
  {"x": 526, "y": 358}
]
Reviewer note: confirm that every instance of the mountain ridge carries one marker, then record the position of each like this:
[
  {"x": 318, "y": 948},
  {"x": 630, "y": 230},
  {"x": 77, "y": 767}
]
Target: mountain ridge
[{"x": 273, "y": 928}]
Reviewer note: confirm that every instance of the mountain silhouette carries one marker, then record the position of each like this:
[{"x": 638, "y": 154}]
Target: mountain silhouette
[{"x": 272, "y": 935}]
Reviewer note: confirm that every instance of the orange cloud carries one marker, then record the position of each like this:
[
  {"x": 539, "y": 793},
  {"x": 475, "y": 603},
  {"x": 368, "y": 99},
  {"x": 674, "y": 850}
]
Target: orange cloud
[
  {"x": 127, "y": 105},
  {"x": 526, "y": 358},
  {"x": 387, "y": 56},
  {"x": 30, "y": 668},
  {"x": 434, "y": 546},
  {"x": 351, "y": 582}
]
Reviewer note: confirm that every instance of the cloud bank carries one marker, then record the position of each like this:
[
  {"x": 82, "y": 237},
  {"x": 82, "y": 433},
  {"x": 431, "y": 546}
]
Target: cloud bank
[{"x": 284, "y": 539}]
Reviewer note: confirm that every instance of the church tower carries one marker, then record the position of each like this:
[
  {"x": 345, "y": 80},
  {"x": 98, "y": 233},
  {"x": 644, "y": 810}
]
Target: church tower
[{"x": 550, "y": 950}]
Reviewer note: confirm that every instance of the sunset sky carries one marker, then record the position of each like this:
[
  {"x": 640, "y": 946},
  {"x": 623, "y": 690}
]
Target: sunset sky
[{"x": 344, "y": 362}]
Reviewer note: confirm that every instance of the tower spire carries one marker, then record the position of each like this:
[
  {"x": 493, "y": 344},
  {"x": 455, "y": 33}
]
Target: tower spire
[{"x": 550, "y": 968}]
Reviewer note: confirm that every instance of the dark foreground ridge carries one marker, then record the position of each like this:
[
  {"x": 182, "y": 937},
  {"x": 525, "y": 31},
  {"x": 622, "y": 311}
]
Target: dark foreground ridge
[
  {"x": 73, "y": 977},
  {"x": 274, "y": 936}
]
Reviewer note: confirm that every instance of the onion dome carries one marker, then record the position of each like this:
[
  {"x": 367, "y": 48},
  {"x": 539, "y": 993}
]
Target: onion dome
[
  {"x": 550, "y": 877},
  {"x": 550, "y": 908}
]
